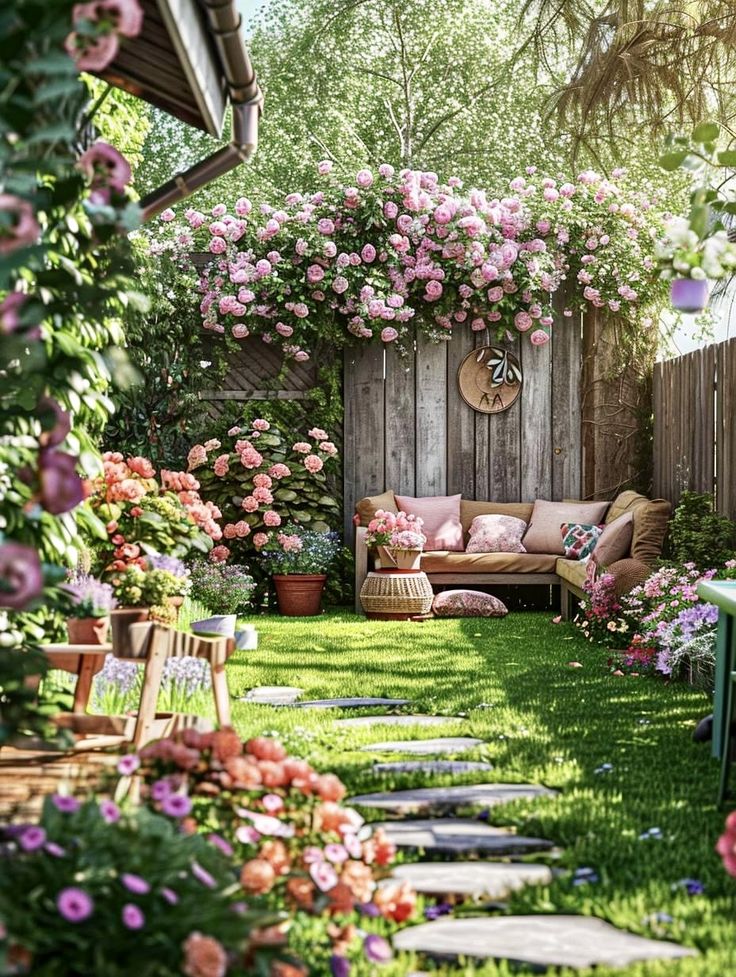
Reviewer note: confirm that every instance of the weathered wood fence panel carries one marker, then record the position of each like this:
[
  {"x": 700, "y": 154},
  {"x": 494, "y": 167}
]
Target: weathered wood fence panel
[
  {"x": 694, "y": 425},
  {"x": 408, "y": 428}
]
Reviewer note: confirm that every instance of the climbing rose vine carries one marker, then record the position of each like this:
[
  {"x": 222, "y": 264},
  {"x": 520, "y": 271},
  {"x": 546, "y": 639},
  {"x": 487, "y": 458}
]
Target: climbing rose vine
[{"x": 393, "y": 250}]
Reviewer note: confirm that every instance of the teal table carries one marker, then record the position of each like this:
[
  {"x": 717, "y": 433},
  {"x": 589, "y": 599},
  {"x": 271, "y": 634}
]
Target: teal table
[{"x": 722, "y": 593}]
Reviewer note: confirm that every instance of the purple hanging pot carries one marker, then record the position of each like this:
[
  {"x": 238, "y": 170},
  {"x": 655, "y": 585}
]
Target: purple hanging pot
[{"x": 689, "y": 294}]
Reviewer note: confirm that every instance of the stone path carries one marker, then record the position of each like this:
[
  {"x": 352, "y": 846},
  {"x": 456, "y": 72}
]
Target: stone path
[
  {"x": 425, "y": 799},
  {"x": 397, "y": 721},
  {"x": 462, "y": 836},
  {"x": 432, "y": 766},
  {"x": 477, "y": 880},
  {"x": 449, "y": 744},
  {"x": 545, "y": 941},
  {"x": 273, "y": 695},
  {"x": 349, "y": 703}
]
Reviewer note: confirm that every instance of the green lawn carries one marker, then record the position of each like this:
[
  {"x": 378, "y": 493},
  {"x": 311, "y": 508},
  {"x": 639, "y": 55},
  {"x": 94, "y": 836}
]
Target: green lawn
[{"x": 541, "y": 721}]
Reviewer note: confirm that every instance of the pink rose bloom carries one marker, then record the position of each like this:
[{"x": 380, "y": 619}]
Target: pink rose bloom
[
  {"x": 221, "y": 466},
  {"x": 234, "y": 430},
  {"x": 279, "y": 471},
  {"x": 240, "y": 331},
  {"x": 91, "y": 53},
  {"x": 386, "y": 170},
  {"x": 302, "y": 447},
  {"x": 523, "y": 321},
  {"x": 283, "y": 330},
  {"x": 218, "y": 228},
  {"x": 271, "y": 518},
  {"x": 10, "y": 312},
  {"x": 243, "y": 207},
  {"x": 340, "y": 284},
  {"x": 539, "y": 337},
  {"x": 261, "y": 424},
  {"x": 195, "y": 217},
  {"x": 262, "y": 481},
  {"x": 495, "y": 294},
  {"x": 229, "y": 531},
  {"x": 442, "y": 214},
  {"x": 300, "y": 310},
  {"x": 219, "y": 210},
  {"x": 313, "y": 464},
  {"x": 328, "y": 447},
  {"x": 324, "y": 167},
  {"x": 104, "y": 166},
  {"x": 217, "y": 245},
  {"x": 197, "y": 457},
  {"x": 325, "y": 226},
  {"x": 477, "y": 325},
  {"x": 389, "y": 334},
  {"x": 249, "y": 503},
  {"x": 219, "y": 554},
  {"x": 315, "y": 273},
  {"x": 364, "y": 178},
  {"x": 368, "y": 253},
  {"x": 301, "y": 356},
  {"x": 262, "y": 496},
  {"x": 433, "y": 290},
  {"x": 263, "y": 267},
  {"x": 390, "y": 209},
  {"x": 242, "y": 529},
  {"x": 318, "y": 434},
  {"x": 259, "y": 540},
  {"x": 168, "y": 215},
  {"x": 250, "y": 458},
  {"x": 323, "y": 875}
]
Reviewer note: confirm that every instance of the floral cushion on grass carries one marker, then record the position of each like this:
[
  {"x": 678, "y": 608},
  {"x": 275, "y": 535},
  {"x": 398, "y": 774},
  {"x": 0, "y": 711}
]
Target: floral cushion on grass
[
  {"x": 579, "y": 539},
  {"x": 468, "y": 603},
  {"x": 496, "y": 534}
]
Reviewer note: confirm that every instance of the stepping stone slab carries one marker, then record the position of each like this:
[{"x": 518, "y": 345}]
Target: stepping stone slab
[
  {"x": 351, "y": 703},
  {"x": 545, "y": 941},
  {"x": 447, "y": 744},
  {"x": 459, "y": 836},
  {"x": 397, "y": 721},
  {"x": 421, "y": 799},
  {"x": 432, "y": 766},
  {"x": 273, "y": 695},
  {"x": 479, "y": 880}
]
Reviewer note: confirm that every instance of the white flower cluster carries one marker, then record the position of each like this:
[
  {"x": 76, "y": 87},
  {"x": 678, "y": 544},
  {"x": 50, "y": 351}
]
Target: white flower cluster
[{"x": 682, "y": 254}]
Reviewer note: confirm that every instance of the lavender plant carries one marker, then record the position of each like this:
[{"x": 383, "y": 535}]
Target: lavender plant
[
  {"x": 88, "y": 596},
  {"x": 184, "y": 682},
  {"x": 222, "y": 589}
]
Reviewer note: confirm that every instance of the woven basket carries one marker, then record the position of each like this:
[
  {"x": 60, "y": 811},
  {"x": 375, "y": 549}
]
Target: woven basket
[{"x": 396, "y": 595}]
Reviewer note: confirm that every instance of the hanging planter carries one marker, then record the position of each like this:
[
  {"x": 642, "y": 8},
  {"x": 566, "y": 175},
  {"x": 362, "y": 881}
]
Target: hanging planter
[{"x": 689, "y": 294}]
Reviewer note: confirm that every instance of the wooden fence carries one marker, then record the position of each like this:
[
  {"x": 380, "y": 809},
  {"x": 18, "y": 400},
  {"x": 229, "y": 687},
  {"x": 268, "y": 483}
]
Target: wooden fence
[
  {"x": 694, "y": 425},
  {"x": 407, "y": 427}
]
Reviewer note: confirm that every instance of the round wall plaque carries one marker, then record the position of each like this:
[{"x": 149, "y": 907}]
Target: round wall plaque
[{"x": 490, "y": 379}]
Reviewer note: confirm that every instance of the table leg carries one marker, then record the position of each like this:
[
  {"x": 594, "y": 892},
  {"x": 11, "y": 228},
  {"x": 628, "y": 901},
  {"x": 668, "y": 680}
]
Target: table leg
[
  {"x": 221, "y": 694},
  {"x": 88, "y": 666},
  {"x": 724, "y": 665},
  {"x": 157, "y": 655}
]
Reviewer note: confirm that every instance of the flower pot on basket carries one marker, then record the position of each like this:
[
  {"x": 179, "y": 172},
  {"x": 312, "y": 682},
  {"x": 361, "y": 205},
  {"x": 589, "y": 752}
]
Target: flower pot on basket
[
  {"x": 689, "y": 294},
  {"x": 299, "y": 594},
  {"x": 88, "y": 630}
]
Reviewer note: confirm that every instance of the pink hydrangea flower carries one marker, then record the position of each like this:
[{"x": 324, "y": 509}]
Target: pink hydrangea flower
[
  {"x": 301, "y": 447},
  {"x": 279, "y": 471},
  {"x": 313, "y": 464},
  {"x": 271, "y": 519},
  {"x": 260, "y": 540}
]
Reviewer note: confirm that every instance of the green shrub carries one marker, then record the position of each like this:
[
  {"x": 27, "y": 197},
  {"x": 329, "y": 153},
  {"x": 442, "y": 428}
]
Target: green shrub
[{"x": 699, "y": 534}]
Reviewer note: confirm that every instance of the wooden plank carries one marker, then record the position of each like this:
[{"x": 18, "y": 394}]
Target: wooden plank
[
  {"x": 536, "y": 421},
  {"x": 657, "y": 431},
  {"x": 726, "y": 444},
  {"x": 566, "y": 458},
  {"x": 399, "y": 422},
  {"x": 504, "y": 431},
  {"x": 460, "y": 421},
  {"x": 364, "y": 471},
  {"x": 431, "y": 380},
  {"x": 253, "y": 394},
  {"x": 483, "y": 459},
  {"x": 704, "y": 415}
]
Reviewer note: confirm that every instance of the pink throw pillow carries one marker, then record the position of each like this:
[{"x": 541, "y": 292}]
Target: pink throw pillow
[
  {"x": 468, "y": 603},
  {"x": 441, "y": 515},
  {"x": 615, "y": 543},
  {"x": 496, "y": 534}
]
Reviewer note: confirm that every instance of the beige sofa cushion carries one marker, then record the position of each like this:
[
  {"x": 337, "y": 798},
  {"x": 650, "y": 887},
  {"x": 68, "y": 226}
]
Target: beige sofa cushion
[
  {"x": 442, "y": 561},
  {"x": 470, "y": 509},
  {"x": 573, "y": 571},
  {"x": 544, "y": 535},
  {"x": 650, "y": 523},
  {"x": 368, "y": 506}
]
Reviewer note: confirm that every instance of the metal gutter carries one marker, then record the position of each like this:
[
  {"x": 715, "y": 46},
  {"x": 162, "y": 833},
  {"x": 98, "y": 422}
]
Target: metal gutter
[{"x": 247, "y": 105}]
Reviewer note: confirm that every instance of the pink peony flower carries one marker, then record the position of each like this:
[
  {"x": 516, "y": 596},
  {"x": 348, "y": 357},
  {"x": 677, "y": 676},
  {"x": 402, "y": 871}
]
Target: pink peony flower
[
  {"x": 22, "y": 227},
  {"x": 324, "y": 167},
  {"x": 260, "y": 540},
  {"x": 539, "y": 337},
  {"x": 313, "y": 464},
  {"x": 271, "y": 518}
]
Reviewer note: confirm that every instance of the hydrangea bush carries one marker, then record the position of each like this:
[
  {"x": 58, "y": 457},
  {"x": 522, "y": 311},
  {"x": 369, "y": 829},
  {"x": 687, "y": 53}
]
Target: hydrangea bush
[
  {"x": 262, "y": 480},
  {"x": 370, "y": 260}
]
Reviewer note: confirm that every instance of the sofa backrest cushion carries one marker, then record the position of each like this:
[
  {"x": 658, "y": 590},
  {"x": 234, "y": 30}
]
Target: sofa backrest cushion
[
  {"x": 615, "y": 542},
  {"x": 368, "y": 506},
  {"x": 470, "y": 509},
  {"x": 543, "y": 534},
  {"x": 650, "y": 523},
  {"x": 441, "y": 517}
]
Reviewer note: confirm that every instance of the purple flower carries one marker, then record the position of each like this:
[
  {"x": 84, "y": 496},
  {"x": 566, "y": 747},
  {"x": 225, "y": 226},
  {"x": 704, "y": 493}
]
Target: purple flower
[
  {"x": 134, "y": 883},
  {"x": 441, "y": 909},
  {"x": 376, "y": 949},
  {"x": 32, "y": 839},
  {"x": 132, "y": 916},
  {"x": 53, "y": 849},
  {"x": 61, "y": 488},
  {"x": 169, "y": 895},
  {"x": 176, "y": 805},
  {"x": 109, "y": 811},
  {"x": 159, "y": 561},
  {"x": 128, "y": 764},
  {"x": 74, "y": 904},
  {"x": 583, "y": 876},
  {"x": 161, "y": 790},
  {"x": 203, "y": 876},
  {"x": 693, "y": 887},
  {"x": 369, "y": 909},
  {"x": 67, "y": 805},
  {"x": 339, "y": 966},
  {"x": 225, "y": 847},
  {"x": 21, "y": 576}
]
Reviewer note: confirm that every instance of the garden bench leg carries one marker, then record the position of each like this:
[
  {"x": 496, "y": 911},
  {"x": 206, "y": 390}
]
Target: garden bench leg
[
  {"x": 158, "y": 652},
  {"x": 564, "y": 601}
]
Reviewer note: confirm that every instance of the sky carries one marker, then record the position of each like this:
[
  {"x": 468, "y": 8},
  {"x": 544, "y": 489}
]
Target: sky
[{"x": 249, "y": 7}]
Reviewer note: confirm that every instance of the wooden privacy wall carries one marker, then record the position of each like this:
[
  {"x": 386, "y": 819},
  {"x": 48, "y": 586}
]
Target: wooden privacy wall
[
  {"x": 695, "y": 425},
  {"x": 407, "y": 427}
]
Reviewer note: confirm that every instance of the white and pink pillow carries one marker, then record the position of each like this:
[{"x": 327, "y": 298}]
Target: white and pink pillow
[
  {"x": 440, "y": 515},
  {"x": 496, "y": 534}
]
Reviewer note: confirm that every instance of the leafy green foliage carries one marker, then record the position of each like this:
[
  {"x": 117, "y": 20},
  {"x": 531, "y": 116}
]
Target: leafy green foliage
[{"x": 700, "y": 535}]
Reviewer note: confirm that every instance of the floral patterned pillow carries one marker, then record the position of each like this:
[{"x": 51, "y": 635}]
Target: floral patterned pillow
[
  {"x": 579, "y": 539},
  {"x": 496, "y": 534},
  {"x": 468, "y": 603}
]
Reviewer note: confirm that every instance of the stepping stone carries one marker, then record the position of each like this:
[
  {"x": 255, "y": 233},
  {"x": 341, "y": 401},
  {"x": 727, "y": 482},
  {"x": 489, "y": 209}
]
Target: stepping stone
[
  {"x": 459, "y": 836},
  {"x": 432, "y": 766},
  {"x": 354, "y": 703},
  {"x": 479, "y": 880},
  {"x": 424, "y": 799},
  {"x": 273, "y": 695},
  {"x": 448, "y": 744},
  {"x": 397, "y": 721},
  {"x": 545, "y": 941}
]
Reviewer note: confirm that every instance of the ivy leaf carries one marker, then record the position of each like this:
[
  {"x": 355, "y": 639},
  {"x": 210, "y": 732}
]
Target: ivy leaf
[
  {"x": 671, "y": 161},
  {"x": 706, "y": 132},
  {"x": 727, "y": 157}
]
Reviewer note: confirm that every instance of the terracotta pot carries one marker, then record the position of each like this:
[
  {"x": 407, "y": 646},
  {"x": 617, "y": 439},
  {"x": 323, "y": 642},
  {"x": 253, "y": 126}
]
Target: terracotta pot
[
  {"x": 395, "y": 559},
  {"x": 689, "y": 294},
  {"x": 121, "y": 619},
  {"x": 88, "y": 630},
  {"x": 299, "y": 594}
]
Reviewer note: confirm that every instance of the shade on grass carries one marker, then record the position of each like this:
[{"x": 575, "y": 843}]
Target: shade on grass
[{"x": 618, "y": 750}]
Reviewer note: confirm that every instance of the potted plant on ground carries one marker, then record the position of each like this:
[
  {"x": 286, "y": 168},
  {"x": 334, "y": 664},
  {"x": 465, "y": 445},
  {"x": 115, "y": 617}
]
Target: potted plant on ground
[
  {"x": 398, "y": 539},
  {"x": 91, "y": 603},
  {"x": 298, "y": 560}
]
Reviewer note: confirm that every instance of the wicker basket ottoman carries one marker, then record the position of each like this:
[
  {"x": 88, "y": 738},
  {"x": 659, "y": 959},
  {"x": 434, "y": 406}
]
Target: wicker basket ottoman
[{"x": 389, "y": 595}]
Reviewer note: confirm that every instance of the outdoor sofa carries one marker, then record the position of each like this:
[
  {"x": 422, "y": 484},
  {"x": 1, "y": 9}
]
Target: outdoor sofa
[{"x": 466, "y": 570}]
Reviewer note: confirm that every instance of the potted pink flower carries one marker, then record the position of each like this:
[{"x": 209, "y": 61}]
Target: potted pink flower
[{"x": 398, "y": 539}]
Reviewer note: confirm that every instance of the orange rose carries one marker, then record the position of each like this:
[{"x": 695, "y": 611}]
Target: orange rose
[
  {"x": 258, "y": 876},
  {"x": 330, "y": 788},
  {"x": 245, "y": 774},
  {"x": 395, "y": 902},
  {"x": 204, "y": 956},
  {"x": 276, "y": 855},
  {"x": 272, "y": 774},
  {"x": 379, "y": 849},
  {"x": 264, "y": 748},
  {"x": 359, "y": 878},
  {"x": 301, "y": 891}
]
